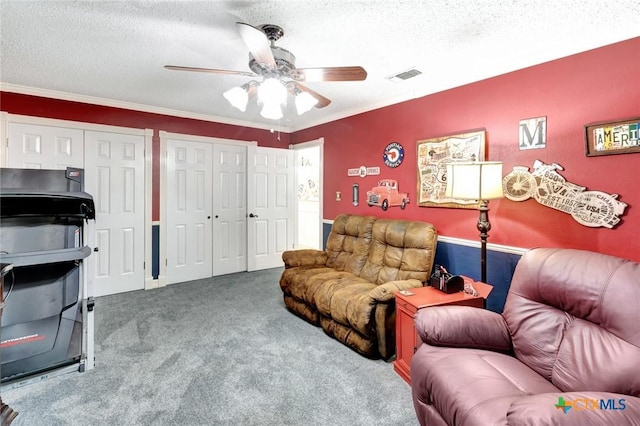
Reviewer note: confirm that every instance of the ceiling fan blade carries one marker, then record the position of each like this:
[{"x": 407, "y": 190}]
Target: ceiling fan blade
[
  {"x": 329, "y": 74},
  {"x": 258, "y": 44},
  {"x": 209, "y": 70},
  {"x": 322, "y": 101}
]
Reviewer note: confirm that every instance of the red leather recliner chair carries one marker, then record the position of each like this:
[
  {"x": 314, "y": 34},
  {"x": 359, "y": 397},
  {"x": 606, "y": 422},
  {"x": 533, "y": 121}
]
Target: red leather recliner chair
[{"x": 565, "y": 351}]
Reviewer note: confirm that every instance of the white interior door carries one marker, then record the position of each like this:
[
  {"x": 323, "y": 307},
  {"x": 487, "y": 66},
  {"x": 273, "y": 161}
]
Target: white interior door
[
  {"x": 114, "y": 176},
  {"x": 189, "y": 208},
  {"x": 33, "y": 146},
  {"x": 308, "y": 158},
  {"x": 114, "y": 167},
  {"x": 271, "y": 206},
  {"x": 229, "y": 209}
]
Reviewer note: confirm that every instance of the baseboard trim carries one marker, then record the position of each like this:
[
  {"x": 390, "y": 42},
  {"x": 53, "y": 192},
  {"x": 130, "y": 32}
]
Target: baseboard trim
[
  {"x": 150, "y": 283},
  {"x": 162, "y": 281}
]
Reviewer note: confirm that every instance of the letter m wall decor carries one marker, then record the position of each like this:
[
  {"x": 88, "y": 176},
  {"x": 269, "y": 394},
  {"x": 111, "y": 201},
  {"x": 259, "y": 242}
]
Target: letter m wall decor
[{"x": 533, "y": 133}]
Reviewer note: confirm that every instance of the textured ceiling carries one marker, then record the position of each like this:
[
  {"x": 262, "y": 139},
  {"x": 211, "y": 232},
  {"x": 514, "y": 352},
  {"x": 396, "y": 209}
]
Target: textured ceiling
[{"x": 113, "y": 52}]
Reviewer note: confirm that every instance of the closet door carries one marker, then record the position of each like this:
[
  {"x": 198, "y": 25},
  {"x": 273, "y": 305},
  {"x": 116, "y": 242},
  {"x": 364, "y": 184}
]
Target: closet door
[
  {"x": 189, "y": 210},
  {"x": 114, "y": 167},
  {"x": 114, "y": 175},
  {"x": 271, "y": 206},
  {"x": 32, "y": 146},
  {"x": 229, "y": 208}
]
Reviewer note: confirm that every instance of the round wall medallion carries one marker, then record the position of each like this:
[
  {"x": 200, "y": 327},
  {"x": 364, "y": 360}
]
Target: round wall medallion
[{"x": 393, "y": 154}]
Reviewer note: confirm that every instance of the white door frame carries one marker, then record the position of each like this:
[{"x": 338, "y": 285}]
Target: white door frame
[
  {"x": 164, "y": 136},
  {"x": 6, "y": 118},
  {"x": 4, "y": 137},
  {"x": 319, "y": 143}
]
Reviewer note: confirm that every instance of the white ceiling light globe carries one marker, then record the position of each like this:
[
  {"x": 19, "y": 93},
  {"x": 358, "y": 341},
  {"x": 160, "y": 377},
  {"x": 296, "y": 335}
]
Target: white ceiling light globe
[{"x": 272, "y": 90}]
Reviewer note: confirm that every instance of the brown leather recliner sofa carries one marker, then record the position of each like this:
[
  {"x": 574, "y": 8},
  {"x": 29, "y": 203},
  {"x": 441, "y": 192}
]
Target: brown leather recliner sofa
[
  {"x": 348, "y": 289},
  {"x": 565, "y": 350}
]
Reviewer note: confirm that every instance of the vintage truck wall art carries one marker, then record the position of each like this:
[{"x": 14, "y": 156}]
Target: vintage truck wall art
[{"x": 386, "y": 195}]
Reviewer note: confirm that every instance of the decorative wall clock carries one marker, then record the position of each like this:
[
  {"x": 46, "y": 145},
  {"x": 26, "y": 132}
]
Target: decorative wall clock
[{"x": 393, "y": 155}]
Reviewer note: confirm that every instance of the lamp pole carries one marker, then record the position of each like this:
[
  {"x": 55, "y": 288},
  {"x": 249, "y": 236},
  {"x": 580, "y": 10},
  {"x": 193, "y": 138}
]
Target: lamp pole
[{"x": 484, "y": 226}]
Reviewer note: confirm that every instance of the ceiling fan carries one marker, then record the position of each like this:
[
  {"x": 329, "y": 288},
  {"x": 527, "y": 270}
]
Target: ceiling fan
[{"x": 277, "y": 66}]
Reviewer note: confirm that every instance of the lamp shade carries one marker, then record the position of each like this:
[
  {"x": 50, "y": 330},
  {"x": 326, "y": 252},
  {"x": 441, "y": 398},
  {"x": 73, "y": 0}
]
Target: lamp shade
[
  {"x": 474, "y": 181},
  {"x": 272, "y": 91},
  {"x": 272, "y": 95},
  {"x": 304, "y": 102},
  {"x": 238, "y": 97},
  {"x": 272, "y": 111}
]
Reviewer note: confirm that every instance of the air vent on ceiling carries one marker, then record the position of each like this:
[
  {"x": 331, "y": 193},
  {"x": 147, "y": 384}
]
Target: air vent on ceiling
[{"x": 405, "y": 75}]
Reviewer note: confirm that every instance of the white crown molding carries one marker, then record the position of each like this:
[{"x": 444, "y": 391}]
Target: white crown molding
[
  {"x": 66, "y": 96},
  {"x": 403, "y": 97},
  {"x": 53, "y": 94}
]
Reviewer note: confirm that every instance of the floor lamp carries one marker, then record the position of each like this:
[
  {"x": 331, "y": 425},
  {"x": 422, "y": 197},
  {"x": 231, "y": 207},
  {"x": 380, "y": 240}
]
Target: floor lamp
[{"x": 481, "y": 181}]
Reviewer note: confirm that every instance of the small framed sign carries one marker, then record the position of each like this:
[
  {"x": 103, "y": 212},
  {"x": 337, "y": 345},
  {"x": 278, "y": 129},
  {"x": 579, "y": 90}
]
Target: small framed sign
[
  {"x": 393, "y": 155},
  {"x": 612, "y": 137},
  {"x": 533, "y": 133}
]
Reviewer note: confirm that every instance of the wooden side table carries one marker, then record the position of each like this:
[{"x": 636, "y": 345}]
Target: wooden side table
[{"x": 407, "y": 339}]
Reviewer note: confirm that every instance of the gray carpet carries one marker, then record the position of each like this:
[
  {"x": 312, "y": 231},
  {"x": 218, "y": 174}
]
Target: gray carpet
[{"x": 221, "y": 351}]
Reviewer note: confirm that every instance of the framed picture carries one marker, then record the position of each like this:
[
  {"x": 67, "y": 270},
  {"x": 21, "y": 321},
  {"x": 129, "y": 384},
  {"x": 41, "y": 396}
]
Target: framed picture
[
  {"x": 612, "y": 137},
  {"x": 433, "y": 157}
]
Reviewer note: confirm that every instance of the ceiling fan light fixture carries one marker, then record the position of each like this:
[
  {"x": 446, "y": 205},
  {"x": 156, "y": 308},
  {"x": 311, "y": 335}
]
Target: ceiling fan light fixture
[
  {"x": 277, "y": 67},
  {"x": 238, "y": 97},
  {"x": 304, "y": 102},
  {"x": 271, "y": 110},
  {"x": 272, "y": 91}
]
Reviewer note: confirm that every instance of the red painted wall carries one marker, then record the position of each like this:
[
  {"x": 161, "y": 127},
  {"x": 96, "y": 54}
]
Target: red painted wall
[
  {"x": 598, "y": 85},
  {"x": 88, "y": 113},
  {"x": 594, "y": 86}
]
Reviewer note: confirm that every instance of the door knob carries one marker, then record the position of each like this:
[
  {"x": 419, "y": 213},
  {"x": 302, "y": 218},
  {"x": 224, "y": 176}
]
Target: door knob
[{"x": 253, "y": 215}]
